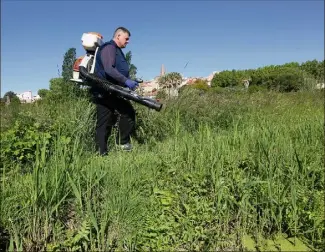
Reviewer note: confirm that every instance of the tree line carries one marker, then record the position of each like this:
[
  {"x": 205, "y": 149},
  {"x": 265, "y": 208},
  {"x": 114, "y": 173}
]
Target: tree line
[{"x": 287, "y": 77}]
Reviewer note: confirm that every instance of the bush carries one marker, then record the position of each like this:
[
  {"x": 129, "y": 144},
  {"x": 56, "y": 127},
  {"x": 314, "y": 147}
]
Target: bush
[
  {"x": 255, "y": 88},
  {"x": 314, "y": 68},
  {"x": 161, "y": 94},
  {"x": 284, "y": 78},
  {"x": 32, "y": 125},
  {"x": 200, "y": 85},
  {"x": 18, "y": 144},
  {"x": 229, "y": 78},
  {"x": 218, "y": 90}
]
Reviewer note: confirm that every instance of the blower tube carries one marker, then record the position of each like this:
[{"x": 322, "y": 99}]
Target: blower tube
[{"x": 123, "y": 92}]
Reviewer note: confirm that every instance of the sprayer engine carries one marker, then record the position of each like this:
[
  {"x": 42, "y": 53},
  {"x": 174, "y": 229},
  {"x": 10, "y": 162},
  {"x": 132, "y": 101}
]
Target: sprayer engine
[
  {"x": 91, "y": 41},
  {"x": 84, "y": 68}
]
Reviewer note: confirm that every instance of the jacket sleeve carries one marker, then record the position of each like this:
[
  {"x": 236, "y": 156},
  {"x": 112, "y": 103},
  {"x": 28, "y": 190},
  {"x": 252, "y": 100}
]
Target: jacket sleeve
[{"x": 108, "y": 55}]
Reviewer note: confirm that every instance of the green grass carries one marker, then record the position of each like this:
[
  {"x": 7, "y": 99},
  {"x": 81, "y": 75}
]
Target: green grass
[{"x": 220, "y": 171}]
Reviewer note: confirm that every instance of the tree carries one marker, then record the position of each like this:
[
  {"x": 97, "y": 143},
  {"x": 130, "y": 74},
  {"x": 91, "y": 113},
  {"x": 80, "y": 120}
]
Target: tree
[
  {"x": 61, "y": 90},
  {"x": 12, "y": 97},
  {"x": 231, "y": 78},
  {"x": 68, "y": 61},
  {"x": 42, "y": 92},
  {"x": 171, "y": 82},
  {"x": 286, "y": 79},
  {"x": 225, "y": 78},
  {"x": 315, "y": 68},
  {"x": 70, "y": 88},
  {"x": 10, "y": 94},
  {"x": 133, "y": 68}
]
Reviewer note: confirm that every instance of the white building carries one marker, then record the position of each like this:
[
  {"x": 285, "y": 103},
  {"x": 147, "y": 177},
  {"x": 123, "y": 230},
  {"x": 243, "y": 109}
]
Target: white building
[
  {"x": 151, "y": 87},
  {"x": 27, "y": 97}
]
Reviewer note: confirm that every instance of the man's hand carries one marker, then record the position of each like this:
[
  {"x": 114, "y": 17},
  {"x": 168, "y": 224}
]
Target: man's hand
[{"x": 131, "y": 84}]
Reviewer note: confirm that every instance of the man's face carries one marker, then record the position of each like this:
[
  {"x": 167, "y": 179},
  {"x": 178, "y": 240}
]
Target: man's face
[{"x": 123, "y": 39}]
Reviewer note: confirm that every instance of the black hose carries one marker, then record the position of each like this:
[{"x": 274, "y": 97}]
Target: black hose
[{"x": 123, "y": 92}]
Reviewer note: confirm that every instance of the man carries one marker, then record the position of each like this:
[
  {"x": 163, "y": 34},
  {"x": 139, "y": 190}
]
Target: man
[{"x": 111, "y": 65}]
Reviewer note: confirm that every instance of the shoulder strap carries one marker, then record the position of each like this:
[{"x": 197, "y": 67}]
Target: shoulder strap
[{"x": 105, "y": 44}]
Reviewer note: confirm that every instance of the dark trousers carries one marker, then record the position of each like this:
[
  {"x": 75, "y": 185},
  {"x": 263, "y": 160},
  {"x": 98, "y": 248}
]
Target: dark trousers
[{"x": 107, "y": 118}]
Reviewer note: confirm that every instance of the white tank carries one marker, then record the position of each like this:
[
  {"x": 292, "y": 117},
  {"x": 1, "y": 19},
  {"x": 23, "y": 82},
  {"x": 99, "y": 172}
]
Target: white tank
[{"x": 91, "y": 40}]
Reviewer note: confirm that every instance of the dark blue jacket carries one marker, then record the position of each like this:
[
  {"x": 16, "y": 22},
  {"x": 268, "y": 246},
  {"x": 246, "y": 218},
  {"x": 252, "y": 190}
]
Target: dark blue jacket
[{"x": 111, "y": 64}]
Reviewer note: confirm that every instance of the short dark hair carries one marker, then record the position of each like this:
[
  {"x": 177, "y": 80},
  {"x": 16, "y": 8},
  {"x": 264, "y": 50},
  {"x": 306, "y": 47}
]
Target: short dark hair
[{"x": 121, "y": 28}]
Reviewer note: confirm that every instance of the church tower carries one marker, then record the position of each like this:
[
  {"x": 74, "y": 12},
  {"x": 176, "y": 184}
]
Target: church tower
[{"x": 162, "y": 70}]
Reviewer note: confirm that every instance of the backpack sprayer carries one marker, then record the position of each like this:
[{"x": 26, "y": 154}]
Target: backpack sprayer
[{"x": 84, "y": 68}]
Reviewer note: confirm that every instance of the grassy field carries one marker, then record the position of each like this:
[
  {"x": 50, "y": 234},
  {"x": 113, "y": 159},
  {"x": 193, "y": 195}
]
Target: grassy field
[{"x": 221, "y": 171}]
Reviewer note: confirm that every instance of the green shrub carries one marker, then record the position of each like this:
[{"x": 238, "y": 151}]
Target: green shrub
[
  {"x": 218, "y": 90},
  {"x": 284, "y": 78},
  {"x": 256, "y": 88},
  {"x": 18, "y": 144},
  {"x": 314, "y": 68},
  {"x": 200, "y": 85},
  {"x": 31, "y": 125},
  {"x": 229, "y": 78},
  {"x": 161, "y": 94}
]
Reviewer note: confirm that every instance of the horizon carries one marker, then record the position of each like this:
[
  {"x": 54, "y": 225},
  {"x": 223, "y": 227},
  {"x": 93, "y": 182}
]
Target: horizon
[{"x": 204, "y": 36}]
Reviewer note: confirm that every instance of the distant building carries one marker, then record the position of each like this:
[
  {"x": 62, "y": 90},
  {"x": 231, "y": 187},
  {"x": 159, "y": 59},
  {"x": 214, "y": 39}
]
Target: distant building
[
  {"x": 150, "y": 88},
  {"x": 27, "y": 97}
]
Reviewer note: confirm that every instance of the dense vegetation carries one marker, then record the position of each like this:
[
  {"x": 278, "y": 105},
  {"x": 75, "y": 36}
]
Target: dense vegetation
[
  {"x": 219, "y": 168},
  {"x": 284, "y": 78}
]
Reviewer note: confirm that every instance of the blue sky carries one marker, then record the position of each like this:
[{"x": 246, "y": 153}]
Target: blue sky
[{"x": 210, "y": 35}]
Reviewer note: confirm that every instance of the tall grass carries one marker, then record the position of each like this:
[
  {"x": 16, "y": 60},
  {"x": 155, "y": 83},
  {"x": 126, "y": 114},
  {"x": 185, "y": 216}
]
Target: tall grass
[{"x": 206, "y": 171}]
